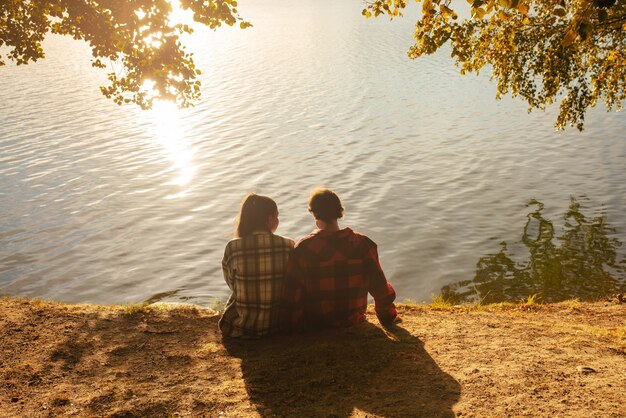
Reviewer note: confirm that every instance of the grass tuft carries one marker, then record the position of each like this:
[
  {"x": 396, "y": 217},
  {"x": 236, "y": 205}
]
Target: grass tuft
[
  {"x": 498, "y": 306},
  {"x": 573, "y": 305},
  {"x": 530, "y": 300},
  {"x": 217, "y": 305},
  {"x": 439, "y": 302},
  {"x": 137, "y": 308}
]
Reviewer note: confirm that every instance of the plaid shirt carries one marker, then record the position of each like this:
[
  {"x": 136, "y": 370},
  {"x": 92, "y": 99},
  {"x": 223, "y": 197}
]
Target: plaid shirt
[
  {"x": 254, "y": 269},
  {"x": 328, "y": 277}
]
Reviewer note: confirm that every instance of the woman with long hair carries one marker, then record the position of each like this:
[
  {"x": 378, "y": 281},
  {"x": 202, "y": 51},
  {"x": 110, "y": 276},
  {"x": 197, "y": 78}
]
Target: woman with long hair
[{"x": 254, "y": 267}]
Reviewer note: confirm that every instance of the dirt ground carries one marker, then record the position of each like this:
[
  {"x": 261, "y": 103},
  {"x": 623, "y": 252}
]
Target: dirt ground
[{"x": 561, "y": 360}]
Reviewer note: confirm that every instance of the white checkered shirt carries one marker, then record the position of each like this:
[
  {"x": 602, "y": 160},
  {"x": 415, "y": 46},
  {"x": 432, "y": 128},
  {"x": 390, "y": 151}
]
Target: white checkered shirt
[{"x": 254, "y": 268}]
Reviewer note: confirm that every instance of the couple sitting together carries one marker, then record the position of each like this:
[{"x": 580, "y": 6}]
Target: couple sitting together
[{"x": 322, "y": 281}]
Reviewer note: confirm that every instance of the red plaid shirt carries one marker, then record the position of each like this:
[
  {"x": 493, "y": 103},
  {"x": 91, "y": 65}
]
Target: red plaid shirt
[{"x": 329, "y": 275}]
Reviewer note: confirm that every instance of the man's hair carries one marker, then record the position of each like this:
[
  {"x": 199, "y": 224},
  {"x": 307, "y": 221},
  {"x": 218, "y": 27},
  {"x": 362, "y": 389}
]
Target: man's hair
[
  {"x": 253, "y": 214},
  {"x": 325, "y": 205}
]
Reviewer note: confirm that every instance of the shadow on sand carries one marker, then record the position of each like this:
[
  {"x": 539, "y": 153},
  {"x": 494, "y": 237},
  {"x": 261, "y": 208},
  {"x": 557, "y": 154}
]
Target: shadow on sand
[{"x": 332, "y": 373}]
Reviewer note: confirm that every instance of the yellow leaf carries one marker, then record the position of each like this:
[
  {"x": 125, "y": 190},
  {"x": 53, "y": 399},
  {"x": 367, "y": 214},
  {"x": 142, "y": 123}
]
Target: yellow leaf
[
  {"x": 569, "y": 38},
  {"x": 445, "y": 10},
  {"x": 426, "y": 6},
  {"x": 504, "y": 15},
  {"x": 526, "y": 20},
  {"x": 504, "y": 3},
  {"x": 523, "y": 8},
  {"x": 478, "y": 13}
]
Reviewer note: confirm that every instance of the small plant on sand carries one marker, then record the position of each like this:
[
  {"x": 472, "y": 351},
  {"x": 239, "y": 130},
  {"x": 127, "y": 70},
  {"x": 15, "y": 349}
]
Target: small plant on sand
[
  {"x": 38, "y": 302},
  {"x": 137, "y": 308},
  {"x": 572, "y": 305},
  {"x": 440, "y": 302},
  {"x": 217, "y": 305},
  {"x": 530, "y": 300}
]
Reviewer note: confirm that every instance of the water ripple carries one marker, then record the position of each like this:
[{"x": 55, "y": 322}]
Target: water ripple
[{"x": 107, "y": 204}]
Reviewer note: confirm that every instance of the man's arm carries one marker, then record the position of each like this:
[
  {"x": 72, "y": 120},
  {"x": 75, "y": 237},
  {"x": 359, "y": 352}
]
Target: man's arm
[{"x": 382, "y": 291}]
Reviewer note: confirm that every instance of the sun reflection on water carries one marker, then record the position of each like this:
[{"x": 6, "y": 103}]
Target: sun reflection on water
[{"x": 170, "y": 133}]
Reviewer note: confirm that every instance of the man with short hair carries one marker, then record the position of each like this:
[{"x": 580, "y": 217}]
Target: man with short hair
[{"x": 331, "y": 271}]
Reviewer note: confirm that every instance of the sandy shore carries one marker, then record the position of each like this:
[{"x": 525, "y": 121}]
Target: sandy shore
[{"x": 566, "y": 359}]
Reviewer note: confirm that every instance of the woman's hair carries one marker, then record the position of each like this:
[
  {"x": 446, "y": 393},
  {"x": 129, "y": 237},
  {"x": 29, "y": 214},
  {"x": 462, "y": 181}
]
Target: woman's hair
[
  {"x": 325, "y": 205},
  {"x": 253, "y": 214}
]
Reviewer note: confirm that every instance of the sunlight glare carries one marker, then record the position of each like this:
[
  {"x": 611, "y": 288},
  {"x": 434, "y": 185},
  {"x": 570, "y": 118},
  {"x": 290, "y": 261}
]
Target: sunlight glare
[
  {"x": 140, "y": 13},
  {"x": 179, "y": 15},
  {"x": 154, "y": 40},
  {"x": 171, "y": 135}
]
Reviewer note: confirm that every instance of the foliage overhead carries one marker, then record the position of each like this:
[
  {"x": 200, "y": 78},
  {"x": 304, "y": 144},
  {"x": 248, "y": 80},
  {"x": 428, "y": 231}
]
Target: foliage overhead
[
  {"x": 135, "y": 35},
  {"x": 572, "y": 51}
]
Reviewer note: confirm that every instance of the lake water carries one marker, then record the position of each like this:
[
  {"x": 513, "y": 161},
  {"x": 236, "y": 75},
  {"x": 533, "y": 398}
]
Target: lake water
[{"x": 108, "y": 204}]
